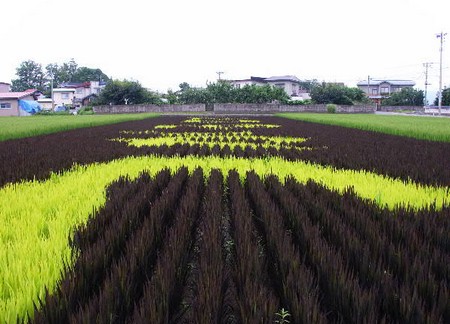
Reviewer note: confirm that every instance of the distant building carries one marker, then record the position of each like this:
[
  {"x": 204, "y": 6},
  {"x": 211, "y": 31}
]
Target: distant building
[
  {"x": 289, "y": 83},
  {"x": 76, "y": 95},
  {"x": 377, "y": 90},
  {"x": 10, "y": 102},
  {"x": 5, "y": 87}
]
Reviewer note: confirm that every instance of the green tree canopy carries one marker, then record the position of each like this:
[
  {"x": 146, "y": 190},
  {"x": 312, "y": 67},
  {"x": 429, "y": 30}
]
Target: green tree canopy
[
  {"x": 84, "y": 74},
  {"x": 337, "y": 94},
  {"x": 30, "y": 76},
  {"x": 223, "y": 91},
  {"x": 61, "y": 73},
  {"x": 405, "y": 97},
  {"x": 126, "y": 92},
  {"x": 445, "y": 98}
]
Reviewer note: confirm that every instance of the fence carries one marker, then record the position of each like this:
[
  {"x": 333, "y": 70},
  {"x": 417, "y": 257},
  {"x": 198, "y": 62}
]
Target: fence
[{"x": 229, "y": 108}]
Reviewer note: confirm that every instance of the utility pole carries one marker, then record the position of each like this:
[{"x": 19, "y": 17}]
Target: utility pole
[
  {"x": 51, "y": 88},
  {"x": 426, "y": 65},
  {"x": 219, "y": 74},
  {"x": 441, "y": 36}
]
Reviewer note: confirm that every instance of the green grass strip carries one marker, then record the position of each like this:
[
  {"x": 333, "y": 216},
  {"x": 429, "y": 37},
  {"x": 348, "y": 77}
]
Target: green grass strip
[
  {"x": 20, "y": 127},
  {"x": 38, "y": 217},
  {"x": 424, "y": 128}
]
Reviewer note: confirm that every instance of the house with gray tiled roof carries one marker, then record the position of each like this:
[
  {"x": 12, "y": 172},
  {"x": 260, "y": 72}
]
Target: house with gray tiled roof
[
  {"x": 290, "y": 83},
  {"x": 377, "y": 89}
]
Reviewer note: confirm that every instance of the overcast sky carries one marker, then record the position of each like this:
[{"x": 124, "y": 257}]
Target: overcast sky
[{"x": 163, "y": 43}]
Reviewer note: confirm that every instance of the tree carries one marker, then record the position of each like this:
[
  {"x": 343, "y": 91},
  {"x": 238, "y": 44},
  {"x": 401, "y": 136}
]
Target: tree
[
  {"x": 308, "y": 85},
  {"x": 126, "y": 92},
  {"x": 84, "y": 74},
  {"x": 221, "y": 92},
  {"x": 260, "y": 94},
  {"x": 405, "y": 97},
  {"x": 224, "y": 92},
  {"x": 445, "y": 98},
  {"x": 30, "y": 76},
  {"x": 337, "y": 94}
]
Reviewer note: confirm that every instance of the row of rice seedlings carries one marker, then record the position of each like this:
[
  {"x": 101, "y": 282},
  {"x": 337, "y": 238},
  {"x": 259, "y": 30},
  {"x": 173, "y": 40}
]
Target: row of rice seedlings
[
  {"x": 364, "y": 256},
  {"x": 341, "y": 295},
  {"x": 238, "y": 139},
  {"x": 171, "y": 126},
  {"x": 124, "y": 283},
  {"x": 257, "y": 302},
  {"x": 101, "y": 243},
  {"x": 163, "y": 292},
  {"x": 217, "y": 120},
  {"x": 37, "y": 220},
  {"x": 208, "y": 291},
  {"x": 293, "y": 281}
]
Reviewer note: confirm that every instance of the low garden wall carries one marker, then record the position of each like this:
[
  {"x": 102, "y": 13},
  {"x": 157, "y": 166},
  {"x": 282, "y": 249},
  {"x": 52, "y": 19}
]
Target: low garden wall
[
  {"x": 126, "y": 109},
  {"x": 400, "y": 108},
  {"x": 229, "y": 108}
]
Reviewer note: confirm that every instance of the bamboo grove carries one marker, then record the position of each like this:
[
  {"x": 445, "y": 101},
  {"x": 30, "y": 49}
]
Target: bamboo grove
[{"x": 224, "y": 220}]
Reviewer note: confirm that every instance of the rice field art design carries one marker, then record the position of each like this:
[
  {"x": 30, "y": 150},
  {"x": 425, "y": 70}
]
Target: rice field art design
[{"x": 236, "y": 220}]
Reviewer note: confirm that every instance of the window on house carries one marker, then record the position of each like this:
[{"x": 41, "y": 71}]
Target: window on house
[
  {"x": 279, "y": 85},
  {"x": 65, "y": 95},
  {"x": 384, "y": 90},
  {"x": 79, "y": 90},
  {"x": 374, "y": 91},
  {"x": 5, "y": 105}
]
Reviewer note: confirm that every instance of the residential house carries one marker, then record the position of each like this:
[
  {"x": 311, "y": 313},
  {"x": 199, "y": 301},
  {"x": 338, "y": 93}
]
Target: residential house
[
  {"x": 46, "y": 103},
  {"x": 4, "y": 87},
  {"x": 378, "y": 89},
  {"x": 63, "y": 97},
  {"x": 10, "y": 102},
  {"x": 289, "y": 83},
  {"x": 84, "y": 92},
  {"x": 76, "y": 95}
]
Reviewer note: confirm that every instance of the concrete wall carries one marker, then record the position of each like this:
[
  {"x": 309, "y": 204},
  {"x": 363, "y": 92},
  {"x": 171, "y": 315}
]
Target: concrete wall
[
  {"x": 399, "y": 108},
  {"x": 125, "y": 109},
  {"x": 276, "y": 108},
  {"x": 229, "y": 108}
]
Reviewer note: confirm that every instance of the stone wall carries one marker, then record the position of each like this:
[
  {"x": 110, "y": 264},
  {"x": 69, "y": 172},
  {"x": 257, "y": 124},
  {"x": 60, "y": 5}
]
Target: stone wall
[
  {"x": 126, "y": 109},
  {"x": 401, "y": 108},
  {"x": 230, "y": 108},
  {"x": 276, "y": 108}
]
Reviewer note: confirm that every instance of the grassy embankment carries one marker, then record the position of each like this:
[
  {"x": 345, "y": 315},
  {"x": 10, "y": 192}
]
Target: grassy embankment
[
  {"x": 425, "y": 128},
  {"x": 20, "y": 127}
]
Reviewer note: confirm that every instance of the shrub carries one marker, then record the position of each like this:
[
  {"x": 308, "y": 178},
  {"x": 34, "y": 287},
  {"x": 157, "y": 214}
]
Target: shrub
[
  {"x": 331, "y": 108},
  {"x": 86, "y": 111}
]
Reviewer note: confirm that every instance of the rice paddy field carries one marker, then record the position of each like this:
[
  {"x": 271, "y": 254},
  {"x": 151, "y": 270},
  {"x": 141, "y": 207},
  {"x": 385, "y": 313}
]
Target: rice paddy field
[
  {"x": 20, "y": 127},
  {"x": 224, "y": 220},
  {"x": 420, "y": 127}
]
